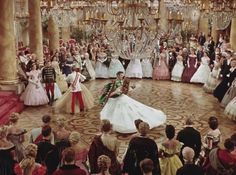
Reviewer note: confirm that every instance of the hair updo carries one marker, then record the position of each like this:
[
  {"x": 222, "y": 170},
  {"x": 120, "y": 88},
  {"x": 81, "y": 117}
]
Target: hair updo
[
  {"x": 31, "y": 150},
  {"x": 106, "y": 126},
  {"x": 213, "y": 123},
  {"x": 170, "y": 131},
  {"x": 28, "y": 162},
  {"x": 61, "y": 122},
  {"x": 74, "y": 137},
  {"x": 14, "y": 117},
  {"x": 103, "y": 163}
]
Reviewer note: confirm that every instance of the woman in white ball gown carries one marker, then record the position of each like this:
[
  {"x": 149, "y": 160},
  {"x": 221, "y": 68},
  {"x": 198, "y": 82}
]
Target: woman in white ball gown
[
  {"x": 115, "y": 66},
  {"x": 89, "y": 66},
  {"x": 34, "y": 94},
  {"x": 203, "y": 72},
  {"x": 100, "y": 68},
  {"x": 122, "y": 111},
  {"x": 147, "y": 67},
  {"x": 134, "y": 69},
  {"x": 178, "y": 69},
  {"x": 213, "y": 79}
]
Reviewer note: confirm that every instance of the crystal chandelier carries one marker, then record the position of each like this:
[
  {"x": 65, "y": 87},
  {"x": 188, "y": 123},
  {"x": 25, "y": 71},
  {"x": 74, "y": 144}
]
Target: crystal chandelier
[
  {"x": 121, "y": 7},
  {"x": 133, "y": 31},
  {"x": 124, "y": 22},
  {"x": 64, "y": 12},
  {"x": 220, "y": 12},
  {"x": 21, "y": 10}
]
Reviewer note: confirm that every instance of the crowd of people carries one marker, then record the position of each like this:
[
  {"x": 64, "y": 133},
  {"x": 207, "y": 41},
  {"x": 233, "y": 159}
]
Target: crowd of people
[
  {"x": 56, "y": 150},
  {"x": 200, "y": 61},
  {"x": 52, "y": 149}
]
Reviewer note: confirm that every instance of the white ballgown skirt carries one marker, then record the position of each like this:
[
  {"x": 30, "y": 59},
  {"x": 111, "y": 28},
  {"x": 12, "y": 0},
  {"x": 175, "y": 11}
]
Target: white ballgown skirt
[
  {"x": 90, "y": 69},
  {"x": 134, "y": 69},
  {"x": 123, "y": 111},
  {"x": 101, "y": 70},
  {"x": 202, "y": 74},
  {"x": 34, "y": 96},
  {"x": 212, "y": 81},
  {"x": 177, "y": 72},
  {"x": 230, "y": 109},
  {"x": 114, "y": 67},
  {"x": 147, "y": 68}
]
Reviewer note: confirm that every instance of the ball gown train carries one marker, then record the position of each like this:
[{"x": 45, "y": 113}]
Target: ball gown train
[
  {"x": 64, "y": 103},
  {"x": 34, "y": 94},
  {"x": 122, "y": 111}
]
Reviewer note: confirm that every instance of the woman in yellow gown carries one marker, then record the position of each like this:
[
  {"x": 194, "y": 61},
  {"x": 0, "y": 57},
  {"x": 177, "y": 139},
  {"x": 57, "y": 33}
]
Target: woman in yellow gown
[
  {"x": 168, "y": 153},
  {"x": 60, "y": 78},
  {"x": 64, "y": 103}
]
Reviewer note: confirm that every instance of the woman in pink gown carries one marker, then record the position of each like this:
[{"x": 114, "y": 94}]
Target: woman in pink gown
[
  {"x": 81, "y": 152},
  {"x": 161, "y": 70},
  {"x": 34, "y": 94}
]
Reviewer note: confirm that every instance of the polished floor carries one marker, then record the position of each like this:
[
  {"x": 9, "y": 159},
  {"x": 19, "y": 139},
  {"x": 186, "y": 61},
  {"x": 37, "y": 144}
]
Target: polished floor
[{"x": 178, "y": 100}]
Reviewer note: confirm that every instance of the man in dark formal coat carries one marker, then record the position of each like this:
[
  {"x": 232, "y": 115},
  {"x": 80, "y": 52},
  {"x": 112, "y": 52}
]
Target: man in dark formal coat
[
  {"x": 190, "y": 137},
  {"x": 211, "y": 49},
  {"x": 47, "y": 153},
  {"x": 172, "y": 58},
  {"x": 226, "y": 82},
  {"x": 226, "y": 64},
  {"x": 200, "y": 53},
  {"x": 201, "y": 39},
  {"x": 69, "y": 167},
  {"x": 189, "y": 168},
  {"x": 140, "y": 148}
]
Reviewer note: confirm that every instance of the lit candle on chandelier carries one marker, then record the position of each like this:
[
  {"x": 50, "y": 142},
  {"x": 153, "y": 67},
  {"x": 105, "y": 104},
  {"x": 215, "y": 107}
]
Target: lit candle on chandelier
[
  {"x": 170, "y": 15},
  {"x": 234, "y": 6},
  {"x": 203, "y": 6},
  {"x": 223, "y": 5}
]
